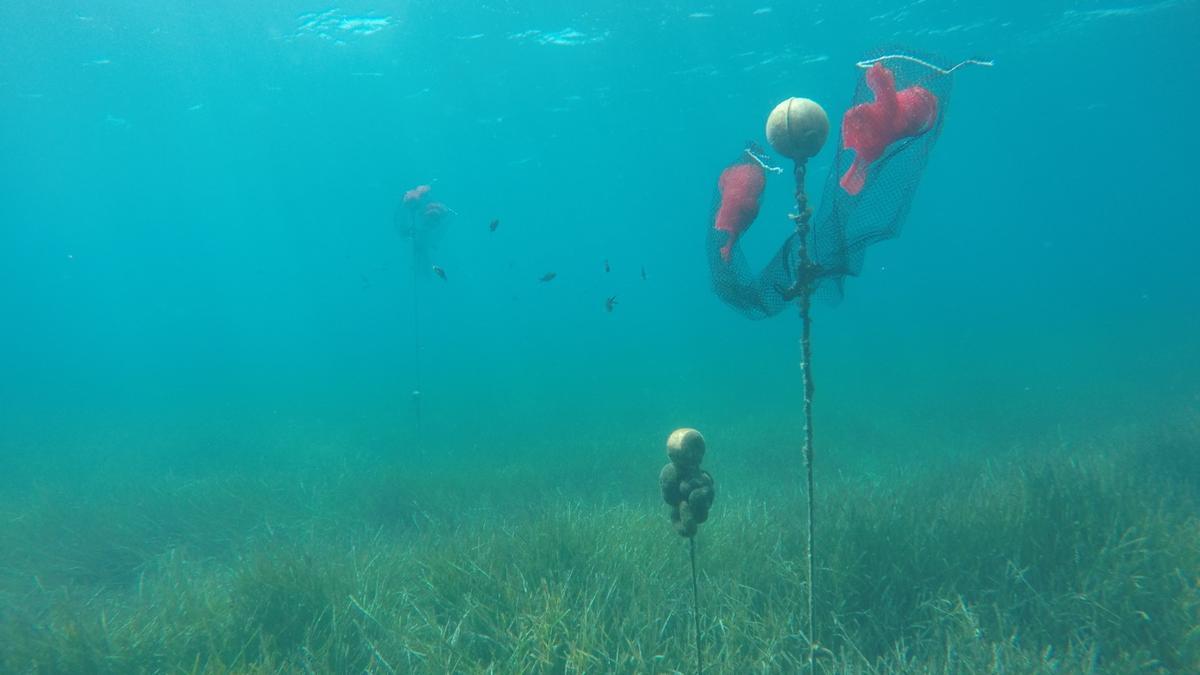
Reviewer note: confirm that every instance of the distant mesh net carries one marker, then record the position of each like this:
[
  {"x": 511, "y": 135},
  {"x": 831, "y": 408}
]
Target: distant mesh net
[
  {"x": 886, "y": 136},
  {"x": 422, "y": 221}
]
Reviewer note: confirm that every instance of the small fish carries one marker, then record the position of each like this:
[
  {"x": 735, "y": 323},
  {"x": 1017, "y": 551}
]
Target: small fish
[
  {"x": 440, "y": 272},
  {"x": 606, "y": 267},
  {"x": 494, "y": 224},
  {"x": 610, "y": 303},
  {"x": 643, "y": 272},
  {"x": 548, "y": 276}
]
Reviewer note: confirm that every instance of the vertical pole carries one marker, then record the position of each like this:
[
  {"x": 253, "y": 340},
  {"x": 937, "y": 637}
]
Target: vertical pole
[
  {"x": 806, "y": 369},
  {"x": 416, "y": 329},
  {"x": 696, "y": 605},
  {"x": 805, "y": 276}
]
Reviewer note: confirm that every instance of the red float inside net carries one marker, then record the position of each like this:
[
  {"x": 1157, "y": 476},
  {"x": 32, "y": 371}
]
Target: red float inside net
[
  {"x": 741, "y": 187},
  {"x": 869, "y": 128}
]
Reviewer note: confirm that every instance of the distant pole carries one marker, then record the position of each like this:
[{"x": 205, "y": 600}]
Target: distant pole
[{"x": 416, "y": 328}]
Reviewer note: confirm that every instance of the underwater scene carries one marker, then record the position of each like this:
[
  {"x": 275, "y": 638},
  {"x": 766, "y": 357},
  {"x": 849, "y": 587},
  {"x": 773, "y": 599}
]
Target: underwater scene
[{"x": 436, "y": 336}]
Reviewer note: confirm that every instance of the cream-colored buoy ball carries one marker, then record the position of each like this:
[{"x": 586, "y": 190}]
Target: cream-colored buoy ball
[
  {"x": 685, "y": 447},
  {"x": 797, "y": 128}
]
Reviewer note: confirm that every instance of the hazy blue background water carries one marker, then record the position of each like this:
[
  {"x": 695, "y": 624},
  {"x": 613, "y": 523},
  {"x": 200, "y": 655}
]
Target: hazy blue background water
[{"x": 198, "y": 260}]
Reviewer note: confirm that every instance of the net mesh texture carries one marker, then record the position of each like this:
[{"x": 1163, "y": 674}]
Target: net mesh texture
[{"x": 891, "y": 135}]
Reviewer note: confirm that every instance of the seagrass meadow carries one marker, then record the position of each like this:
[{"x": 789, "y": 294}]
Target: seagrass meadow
[
  {"x": 1073, "y": 555},
  {"x": 599, "y": 337}
]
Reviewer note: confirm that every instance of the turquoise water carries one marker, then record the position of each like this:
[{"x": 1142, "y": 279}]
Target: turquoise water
[{"x": 197, "y": 221}]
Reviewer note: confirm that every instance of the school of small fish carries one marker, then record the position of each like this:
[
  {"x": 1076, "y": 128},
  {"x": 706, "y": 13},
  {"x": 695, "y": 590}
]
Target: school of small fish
[{"x": 416, "y": 196}]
